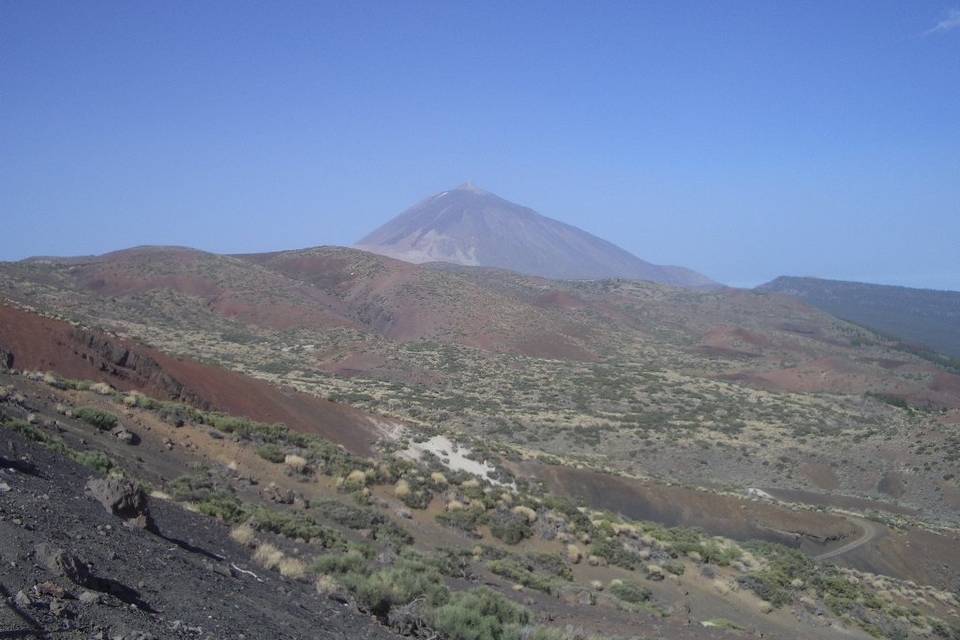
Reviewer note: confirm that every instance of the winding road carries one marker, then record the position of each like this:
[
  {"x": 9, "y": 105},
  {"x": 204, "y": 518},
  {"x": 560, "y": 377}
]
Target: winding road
[{"x": 870, "y": 531}]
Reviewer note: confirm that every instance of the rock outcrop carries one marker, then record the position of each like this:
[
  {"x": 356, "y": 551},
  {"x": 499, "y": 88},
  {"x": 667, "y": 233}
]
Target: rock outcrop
[{"x": 123, "y": 499}]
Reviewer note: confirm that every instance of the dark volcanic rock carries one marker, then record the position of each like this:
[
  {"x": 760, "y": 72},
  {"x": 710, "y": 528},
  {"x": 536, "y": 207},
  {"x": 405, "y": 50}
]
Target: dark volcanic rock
[
  {"x": 123, "y": 499},
  {"x": 142, "y": 586},
  {"x": 61, "y": 563}
]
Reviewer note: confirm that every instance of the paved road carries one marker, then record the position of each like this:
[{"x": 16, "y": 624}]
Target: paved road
[{"x": 870, "y": 531}]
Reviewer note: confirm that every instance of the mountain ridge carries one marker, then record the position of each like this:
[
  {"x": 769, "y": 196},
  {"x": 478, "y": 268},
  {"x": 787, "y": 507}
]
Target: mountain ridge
[{"x": 926, "y": 317}]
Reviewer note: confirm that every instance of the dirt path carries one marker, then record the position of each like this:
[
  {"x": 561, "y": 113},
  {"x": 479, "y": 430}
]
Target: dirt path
[{"x": 870, "y": 531}]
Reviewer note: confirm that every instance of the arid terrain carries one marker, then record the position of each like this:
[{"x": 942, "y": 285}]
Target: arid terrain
[{"x": 641, "y": 461}]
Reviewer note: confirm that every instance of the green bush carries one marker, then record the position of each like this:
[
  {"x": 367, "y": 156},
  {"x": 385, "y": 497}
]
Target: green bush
[
  {"x": 465, "y": 520},
  {"x": 630, "y": 592},
  {"x": 295, "y": 525},
  {"x": 223, "y": 506},
  {"x": 96, "y": 460},
  {"x": 611, "y": 550},
  {"x": 509, "y": 526},
  {"x": 551, "y": 563},
  {"x": 512, "y": 569},
  {"x": 401, "y": 584},
  {"x": 784, "y": 565},
  {"x": 353, "y": 517},
  {"x": 479, "y": 614},
  {"x": 100, "y": 419},
  {"x": 340, "y": 563},
  {"x": 272, "y": 453},
  {"x": 713, "y": 553}
]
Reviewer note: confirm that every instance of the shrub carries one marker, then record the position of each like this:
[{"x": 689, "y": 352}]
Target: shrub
[
  {"x": 509, "y": 526},
  {"x": 401, "y": 489},
  {"x": 339, "y": 563},
  {"x": 223, "y": 506},
  {"x": 101, "y": 388},
  {"x": 775, "y": 583},
  {"x": 292, "y": 568},
  {"x": 100, "y": 419},
  {"x": 268, "y": 556},
  {"x": 630, "y": 592},
  {"x": 465, "y": 520},
  {"x": 243, "y": 535},
  {"x": 326, "y": 585},
  {"x": 353, "y": 517},
  {"x": 413, "y": 492},
  {"x": 715, "y": 553},
  {"x": 297, "y": 464},
  {"x": 611, "y": 550},
  {"x": 271, "y": 453},
  {"x": 551, "y": 563},
  {"x": 526, "y": 512},
  {"x": 96, "y": 460},
  {"x": 401, "y": 584},
  {"x": 294, "y": 525},
  {"x": 356, "y": 479},
  {"x": 479, "y": 614},
  {"x": 513, "y": 570}
]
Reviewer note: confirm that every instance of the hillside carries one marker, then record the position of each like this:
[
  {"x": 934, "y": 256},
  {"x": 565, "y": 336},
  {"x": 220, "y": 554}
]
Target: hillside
[
  {"x": 223, "y": 526},
  {"x": 725, "y": 388},
  {"x": 741, "y": 414},
  {"x": 470, "y": 226},
  {"x": 919, "y": 317}
]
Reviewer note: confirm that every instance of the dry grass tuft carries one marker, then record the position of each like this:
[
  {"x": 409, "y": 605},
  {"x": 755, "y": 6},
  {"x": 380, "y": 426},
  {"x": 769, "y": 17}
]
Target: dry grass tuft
[
  {"x": 401, "y": 489},
  {"x": 243, "y": 534},
  {"x": 292, "y": 568},
  {"x": 268, "y": 556},
  {"x": 295, "y": 463},
  {"x": 326, "y": 585},
  {"x": 101, "y": 388}
]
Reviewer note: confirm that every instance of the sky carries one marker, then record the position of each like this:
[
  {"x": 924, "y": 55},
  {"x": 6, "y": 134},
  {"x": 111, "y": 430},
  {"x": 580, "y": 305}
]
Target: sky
[{"x": 746, "y": 140}]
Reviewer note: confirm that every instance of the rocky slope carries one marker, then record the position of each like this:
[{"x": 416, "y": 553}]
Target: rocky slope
[{"x": 71, "y": 569}]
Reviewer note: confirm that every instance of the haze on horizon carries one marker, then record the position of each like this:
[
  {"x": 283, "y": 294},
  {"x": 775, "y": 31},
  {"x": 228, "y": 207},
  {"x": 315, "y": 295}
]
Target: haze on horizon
[{"x": 745, "y": 142}]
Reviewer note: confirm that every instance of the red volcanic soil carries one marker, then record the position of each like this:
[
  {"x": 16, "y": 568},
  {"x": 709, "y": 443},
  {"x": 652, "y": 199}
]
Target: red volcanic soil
[
  {"x": 839, "y": 375},
  {"x": 260, "y": 297},
  {"x": 44, "y": 344},
  {"x": 560, "y": 299},
  {"x": 733, "y": 341},
  {"x": 400, "y": 301},
  {"x": 831, "y": 374}
]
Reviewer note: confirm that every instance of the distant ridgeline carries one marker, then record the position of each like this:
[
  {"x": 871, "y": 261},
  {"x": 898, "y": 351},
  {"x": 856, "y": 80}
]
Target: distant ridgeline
[{"x": 917, "y": 317}]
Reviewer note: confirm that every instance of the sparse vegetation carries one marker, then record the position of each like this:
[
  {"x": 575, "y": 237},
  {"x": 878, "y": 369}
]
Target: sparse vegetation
[{"x": 102, "y": 420}]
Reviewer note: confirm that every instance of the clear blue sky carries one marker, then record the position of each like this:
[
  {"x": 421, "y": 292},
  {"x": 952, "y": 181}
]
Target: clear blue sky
[{"x": 743, "y": 139}]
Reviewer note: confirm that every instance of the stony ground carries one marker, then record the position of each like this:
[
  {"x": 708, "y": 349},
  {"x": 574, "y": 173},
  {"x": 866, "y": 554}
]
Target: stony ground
[{"x": 188, "y": 581}]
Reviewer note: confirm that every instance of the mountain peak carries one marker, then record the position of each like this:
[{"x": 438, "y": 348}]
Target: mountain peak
[
  {"x": 452, "y": 226},
  {"x": 469, "y": 186}
]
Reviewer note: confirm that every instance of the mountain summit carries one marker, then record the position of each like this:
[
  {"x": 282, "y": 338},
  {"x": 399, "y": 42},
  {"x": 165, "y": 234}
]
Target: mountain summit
[{"x": 470, "y": 226}]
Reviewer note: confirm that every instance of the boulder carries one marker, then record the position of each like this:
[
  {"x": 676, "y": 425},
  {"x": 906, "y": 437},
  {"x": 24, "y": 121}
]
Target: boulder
[
  {"x": 61, "y": 563},
  {"x": 125, "y": 436},
  {"x": 274, "y": 493},
  {"x": 123, "y": 499}
]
